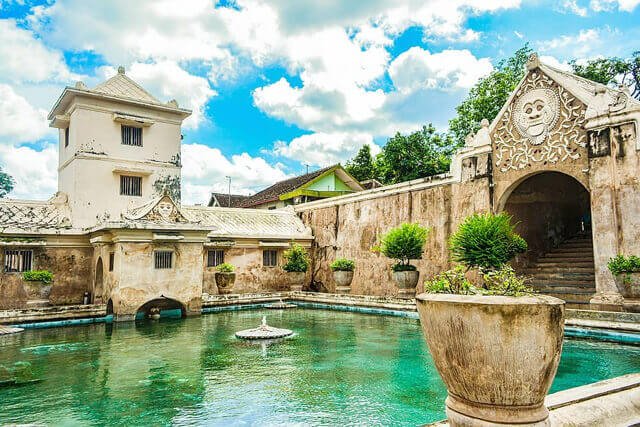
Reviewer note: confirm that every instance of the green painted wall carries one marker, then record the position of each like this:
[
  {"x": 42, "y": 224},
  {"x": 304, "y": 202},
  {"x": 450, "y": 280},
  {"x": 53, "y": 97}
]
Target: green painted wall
[{"x": 329, "y": 183}]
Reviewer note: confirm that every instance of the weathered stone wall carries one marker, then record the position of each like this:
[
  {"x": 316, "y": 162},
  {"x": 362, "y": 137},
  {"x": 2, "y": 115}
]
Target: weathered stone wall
[
  {"x": 349, "y": 226},
  {"x": 71, "y": 268},
  {"x": 251, "y": 275}
]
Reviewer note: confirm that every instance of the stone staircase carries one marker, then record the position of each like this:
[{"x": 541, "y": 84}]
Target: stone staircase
[{"x": 566, "y": 272}]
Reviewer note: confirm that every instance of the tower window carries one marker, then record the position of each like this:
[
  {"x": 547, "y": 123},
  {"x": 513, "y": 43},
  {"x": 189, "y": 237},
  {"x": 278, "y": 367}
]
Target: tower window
[
  {"x": 270, "y": 258},
  {"x": 132, "y": 136},
  {"x": 66, "y": 137},
  {"x": 112, "y": 257},
  {"x": 163, "y": 259},
  {"x": 130, "y": 185},
  {"x": 215, "y": 258}
]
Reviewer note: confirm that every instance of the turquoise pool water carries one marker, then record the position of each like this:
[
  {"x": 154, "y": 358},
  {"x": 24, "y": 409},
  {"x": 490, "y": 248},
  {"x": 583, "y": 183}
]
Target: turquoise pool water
[{"x": 340, "y": 368}]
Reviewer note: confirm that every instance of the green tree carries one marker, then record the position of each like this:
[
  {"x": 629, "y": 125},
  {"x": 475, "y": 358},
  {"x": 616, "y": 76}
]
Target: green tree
[
  {"x": 488, "y": 96},
  {"x": 612, "y": 72},
  {"x": 6, "y": 183},
  {"x": 417, "y": 155},
  {"x": 361, "y": 167}
]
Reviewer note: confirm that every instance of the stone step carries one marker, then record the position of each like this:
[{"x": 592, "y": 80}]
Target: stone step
[
  {"x": 558, "y": 270},
  {"x": 566, "y": 260},
  {"x": 37, "y": 303},
  {"x": 571, "y": 297},
  {"x": 551, "y": 290},
  {"x": 579, "y": 246},
  {"x": 565, "y": 264},
  {"x": 565, "y": 284},
  {"x": 568, "y": 254},
  {"x": 571, "y": 275}
]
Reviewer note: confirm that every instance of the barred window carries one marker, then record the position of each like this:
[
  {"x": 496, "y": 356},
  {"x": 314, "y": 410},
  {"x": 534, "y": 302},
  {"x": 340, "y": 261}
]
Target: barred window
[
  {"x": 163, "y": 259},
  {"x": 112, "y": 258},
  {"x": 215, "y": 258},
  {"x": 132, "y": 136},
  {"x": 18, "y": 261},
  {"x": 130, "y": 185},
  {"x": 270, "y": 258}
]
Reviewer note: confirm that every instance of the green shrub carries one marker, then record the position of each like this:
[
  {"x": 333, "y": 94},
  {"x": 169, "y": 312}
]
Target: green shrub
[
  {"x": 450, "y": 282},
  {"x": 225, "y": 267},
  {"x": 43, "y": 276},
  {"x": 297, "y": 259},
  {"x": 486, "y": 241},
  {"x": 403, "y": 244},
  {"x": 621, "y": 264},
  {"x": 503, "y": 281},
  {"x": 343, "y": 264}
]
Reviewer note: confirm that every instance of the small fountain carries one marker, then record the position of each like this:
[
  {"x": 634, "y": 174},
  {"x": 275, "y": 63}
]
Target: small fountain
[
  {"x": 263, "y": 332},
  {"x": 280, "y": 305},
  {"x": 6, "y": 330}
]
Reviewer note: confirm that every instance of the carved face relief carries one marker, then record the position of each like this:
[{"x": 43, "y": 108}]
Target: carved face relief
[
  {"x": 165, "y": 209},
  {"x": 536, "y": 113}
]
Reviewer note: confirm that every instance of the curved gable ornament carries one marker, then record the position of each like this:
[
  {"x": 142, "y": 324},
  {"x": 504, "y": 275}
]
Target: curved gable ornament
[{"x": 543, "y": 124}]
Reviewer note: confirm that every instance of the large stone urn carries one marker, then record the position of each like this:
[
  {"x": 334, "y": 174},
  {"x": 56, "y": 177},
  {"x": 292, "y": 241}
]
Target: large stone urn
[
  {"x": 37, "y": 290},
  {"x": 225, "y": 282},
  {"x": 407, "y": 282},
  {"x": 296, "y": 280},
  {"x": 497, "y": 355},
  {"x": 343, "y": 281},
  {"x": 628, "y": 284}
]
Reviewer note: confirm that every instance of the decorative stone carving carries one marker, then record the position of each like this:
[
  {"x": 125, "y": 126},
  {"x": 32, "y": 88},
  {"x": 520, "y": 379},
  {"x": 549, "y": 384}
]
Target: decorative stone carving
[
  {"x": 543, "y": 124},
  {"x": 624, "y": 137},
  {"x": 164, "y": 211}
]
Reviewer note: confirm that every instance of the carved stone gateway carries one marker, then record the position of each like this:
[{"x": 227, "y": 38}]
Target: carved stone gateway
[{"x": 543, "y": 124}]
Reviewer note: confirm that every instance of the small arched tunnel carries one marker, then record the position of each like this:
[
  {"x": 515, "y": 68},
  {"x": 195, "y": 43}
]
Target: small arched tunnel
[
  {"x": 549, "y": 208},
  {"x": 164, "y": 306}
]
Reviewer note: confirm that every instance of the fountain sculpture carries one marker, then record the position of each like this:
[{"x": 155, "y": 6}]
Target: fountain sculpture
[{"x": 263, "y": 332}]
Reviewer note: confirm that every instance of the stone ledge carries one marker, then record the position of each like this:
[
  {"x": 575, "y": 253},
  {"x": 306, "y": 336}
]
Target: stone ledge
[{"x": 41, "y": 314}]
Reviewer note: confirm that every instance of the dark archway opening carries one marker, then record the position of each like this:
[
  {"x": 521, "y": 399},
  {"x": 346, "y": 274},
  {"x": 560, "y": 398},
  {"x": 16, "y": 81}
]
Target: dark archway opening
[
  {"x": 109, "y": 307},
  {"x": 550, "y": 208},
  {"x": 166, "y": 307},
  {"x": 98, "y": 283}
]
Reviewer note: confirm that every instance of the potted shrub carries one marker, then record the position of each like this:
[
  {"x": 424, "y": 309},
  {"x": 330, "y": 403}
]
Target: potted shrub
[
  {"x": 37, "y": 284},
  {"x": 296, "y": 265},
  {"x": 626, "y": 271},
  {"x": 343, "y": 274},
  {"x": 225, "y": 277},
  {"x": 403, "y": 244},
  {"x": 495, "y": 344}
]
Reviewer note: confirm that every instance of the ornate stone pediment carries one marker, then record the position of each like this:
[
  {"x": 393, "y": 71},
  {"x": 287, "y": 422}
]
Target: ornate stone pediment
[
  {"x": 161, "y": 210},
  {"x": 542, "y": 124}
]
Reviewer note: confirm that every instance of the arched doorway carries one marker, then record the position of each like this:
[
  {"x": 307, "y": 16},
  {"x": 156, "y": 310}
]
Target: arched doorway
[
  {"x": 98, "y": 283},
  {"x": 553, "y": 213},
  {"x": 167, "y": 307}
]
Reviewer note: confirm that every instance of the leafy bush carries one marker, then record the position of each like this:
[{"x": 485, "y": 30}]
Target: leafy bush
[
  {"x": 503, "y": 281},
  {"x": 621, "y": 264},
  {"x": 450, "y": 282},
  {"x": 486, "y": 241},
  {"x": 297, "y": 259},
  {"x": 403, "y": 244},
  {"x": 44, "y": 276},
  {"x": 225, "y": 267},
  {"x": 343, "y": 264}
]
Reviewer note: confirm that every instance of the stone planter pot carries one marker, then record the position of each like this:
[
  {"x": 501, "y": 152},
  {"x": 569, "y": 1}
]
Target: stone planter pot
[
  {"x": 296, "y": 279},
  {"x": 37, "y": 290},
  {"x": 225, "y": 282},
  {"x": 496, "y": 355},
  {"x": 407, "y": 282},
  {"x": 343, "y": 281},
  {"x": 628, "y": 284}
]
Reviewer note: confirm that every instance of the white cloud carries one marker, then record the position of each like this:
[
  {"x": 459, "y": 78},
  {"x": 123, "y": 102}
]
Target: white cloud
[
  {"x": 205, "y": 168},
  {"x": 583, "y": 44},
  {"x": 609, "y": 5},
  {"x": 573, "y": 7},
  {"x": 20, "y": 121},
  {"x": 323, "y": 149},
  {"x": 24, "y": 58},
  {"x": 166, "y": 80},
  {"x": 35, "y": 171},
  {"x": 418, "y": 68}
]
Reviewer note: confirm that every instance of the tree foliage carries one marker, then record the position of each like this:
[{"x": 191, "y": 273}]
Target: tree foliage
[
  {"x": 361, "y": 167},
  {"x": 488, "y": 96},
  {"x": 612, "y": 72},
  {"x": 417, "y": 155},
  {"x": 486, "y": 241},
  {"x": 403, "y": 244},
  {"x": 7, "y": 183},
  {"x": 343, "y": 264}
]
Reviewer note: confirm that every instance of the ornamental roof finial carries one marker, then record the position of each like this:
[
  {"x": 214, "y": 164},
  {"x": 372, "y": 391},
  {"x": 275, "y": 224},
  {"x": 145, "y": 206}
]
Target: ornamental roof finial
[{"x": 121, "y": 69}]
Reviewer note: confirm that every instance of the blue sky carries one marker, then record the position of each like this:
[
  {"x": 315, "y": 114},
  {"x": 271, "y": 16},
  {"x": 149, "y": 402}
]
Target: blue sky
[{"x": 277, "y": 85}]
